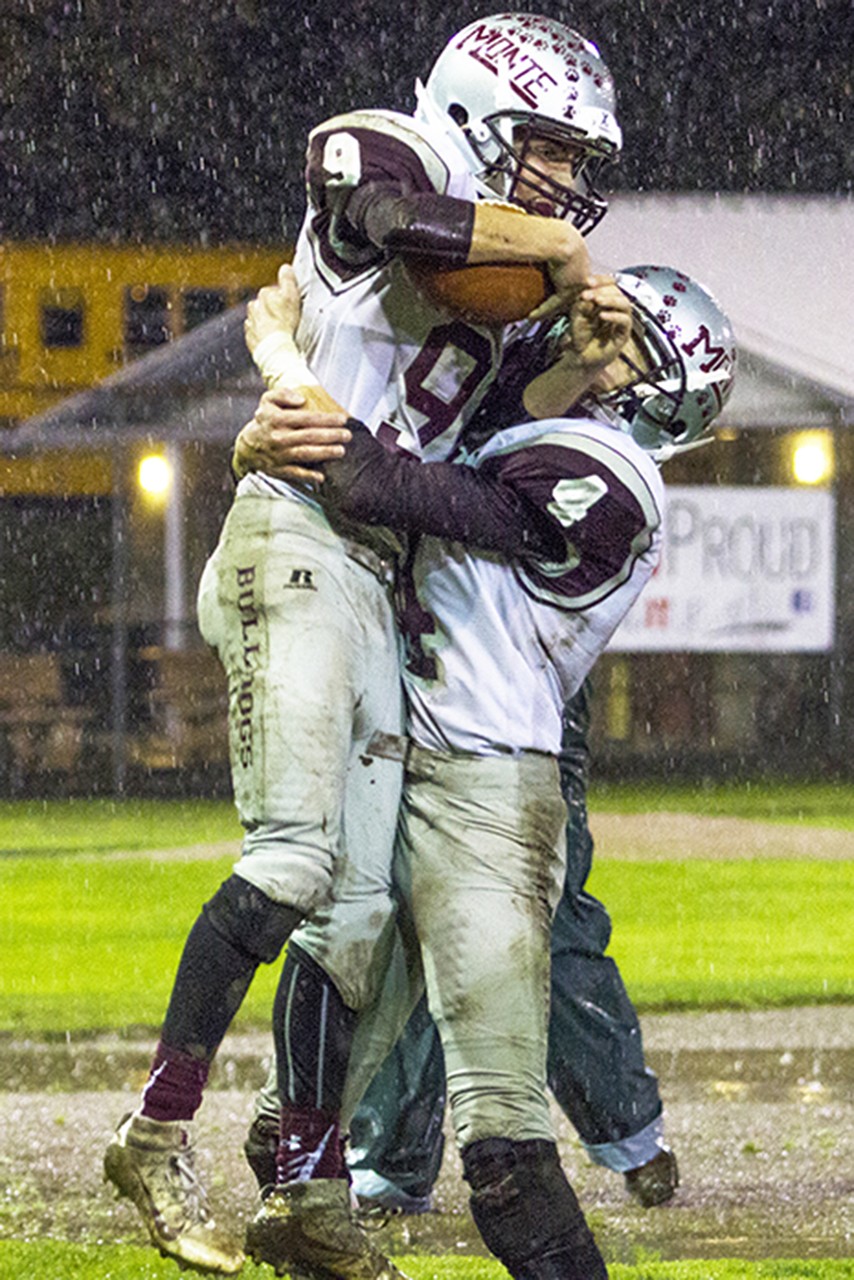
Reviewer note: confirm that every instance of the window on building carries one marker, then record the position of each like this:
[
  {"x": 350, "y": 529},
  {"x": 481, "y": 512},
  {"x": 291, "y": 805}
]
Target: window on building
[
  {"x": 147, "y": 318},
  {"x": 201, "y": 305},
  {"x": 61, "y": 312}
]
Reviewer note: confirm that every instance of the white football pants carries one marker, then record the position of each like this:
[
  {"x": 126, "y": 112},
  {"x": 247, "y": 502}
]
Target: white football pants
[
  {"x": 306, "y": 635},
  {"x": 485, "y": 837},
  {"x": 480, "y": 863}
]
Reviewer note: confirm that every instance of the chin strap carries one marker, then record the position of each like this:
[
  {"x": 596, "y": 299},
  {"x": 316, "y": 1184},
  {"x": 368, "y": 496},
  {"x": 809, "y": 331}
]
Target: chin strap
[{"x": 668, "y": 451}]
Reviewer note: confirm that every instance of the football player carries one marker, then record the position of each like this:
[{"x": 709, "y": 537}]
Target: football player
[
  {"x": 495, "y": 650},
  {"x": 597, "y": 1069},
  {"x": 497, "y": 164}
]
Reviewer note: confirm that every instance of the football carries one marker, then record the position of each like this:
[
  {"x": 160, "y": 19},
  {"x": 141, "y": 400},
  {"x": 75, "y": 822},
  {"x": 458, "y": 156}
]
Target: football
[{"x": 492, "y": 293}]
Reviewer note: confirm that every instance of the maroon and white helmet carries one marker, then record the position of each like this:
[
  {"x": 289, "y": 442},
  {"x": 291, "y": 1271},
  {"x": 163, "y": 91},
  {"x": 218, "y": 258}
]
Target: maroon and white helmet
[
  {"x": 505, "y": 77},
  {"x": 690, "y": 353}
]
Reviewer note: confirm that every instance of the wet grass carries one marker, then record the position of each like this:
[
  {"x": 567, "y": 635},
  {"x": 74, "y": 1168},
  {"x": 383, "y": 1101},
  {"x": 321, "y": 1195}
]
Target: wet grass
[
  {"x": 81, "y": 825},
  {"x": 92, "y": 826},
  {"x": 816, "y": 804},
  {"x": 56, "y": 1260},
  {"x": 730, "y": 934},
  {"x": 90, "y": 944}
]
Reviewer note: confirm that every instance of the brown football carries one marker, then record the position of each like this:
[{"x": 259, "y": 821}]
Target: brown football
[{"x": 492, "y": 293}]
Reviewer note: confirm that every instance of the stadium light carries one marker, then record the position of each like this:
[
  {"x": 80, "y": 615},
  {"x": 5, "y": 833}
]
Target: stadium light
[
  {"x": 155, "y": 475},
  {"x": 812, "y": 457}
]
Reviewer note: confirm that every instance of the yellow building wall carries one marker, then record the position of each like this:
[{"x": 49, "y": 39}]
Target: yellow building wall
[{"x": 33, "y": 376}]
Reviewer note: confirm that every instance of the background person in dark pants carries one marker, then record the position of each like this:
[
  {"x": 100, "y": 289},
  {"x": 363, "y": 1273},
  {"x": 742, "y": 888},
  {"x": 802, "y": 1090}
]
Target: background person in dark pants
[{"x": 596, "y": 1066}]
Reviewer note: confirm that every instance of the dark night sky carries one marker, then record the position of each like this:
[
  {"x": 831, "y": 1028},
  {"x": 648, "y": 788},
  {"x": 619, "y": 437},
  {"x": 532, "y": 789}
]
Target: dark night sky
[{"x": 165, "y": 119}]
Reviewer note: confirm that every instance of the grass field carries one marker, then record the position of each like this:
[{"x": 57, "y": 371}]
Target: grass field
[
  {"x": 54, "y": 1260},
  {"x": 76, "y": 826},
  {"x": 90, "y": 942},
  {"x": 64, "y": 826},
  {"x": 799, "y": 803}
]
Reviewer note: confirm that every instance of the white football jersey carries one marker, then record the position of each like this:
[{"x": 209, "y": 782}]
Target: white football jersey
[
  {"x": 495, "y": 647},
  {"x": 410, "y": 371}
]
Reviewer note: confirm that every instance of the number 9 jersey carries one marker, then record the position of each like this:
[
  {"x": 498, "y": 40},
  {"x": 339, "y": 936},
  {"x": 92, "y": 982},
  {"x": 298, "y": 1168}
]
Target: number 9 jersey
[{"x": 410, "y": 371}]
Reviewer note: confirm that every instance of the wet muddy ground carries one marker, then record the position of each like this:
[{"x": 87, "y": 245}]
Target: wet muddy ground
[{"x": 758, "y": 1105}]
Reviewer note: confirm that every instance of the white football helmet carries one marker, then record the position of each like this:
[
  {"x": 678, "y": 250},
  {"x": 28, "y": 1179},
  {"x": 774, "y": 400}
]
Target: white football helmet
[
  {"x": 505, "y": 78},
  {"x": 690, "y": 353}
]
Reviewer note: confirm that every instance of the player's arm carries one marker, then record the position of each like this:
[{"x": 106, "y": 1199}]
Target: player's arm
[
  {"x": 457, "y": 503},
  {"x": 268, "y": 442},
  {"x": 297, "y": 425},
  {"x": 288, "y": 437},
  {"x": 456, "y": 233},
  {"x": 368, "y": 484},
  {"x": 271, "y": 443},
  {"x": 369, "y": 184},
  {"x": 606, "y": 496},
  {"x": 501, "y": 233}
]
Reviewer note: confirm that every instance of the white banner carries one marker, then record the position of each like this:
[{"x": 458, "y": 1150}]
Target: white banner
[{"x": 743, "y": 570}]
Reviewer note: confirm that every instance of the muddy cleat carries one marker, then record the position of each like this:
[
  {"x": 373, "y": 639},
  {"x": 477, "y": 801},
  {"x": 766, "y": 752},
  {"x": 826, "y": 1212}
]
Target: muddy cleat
[
  {"x": 151, "y": 1162},
  {"x": 260, "y": 1147},
  {"x": 308, "y": 1229},
  {"x": 654, "y": 1182}
]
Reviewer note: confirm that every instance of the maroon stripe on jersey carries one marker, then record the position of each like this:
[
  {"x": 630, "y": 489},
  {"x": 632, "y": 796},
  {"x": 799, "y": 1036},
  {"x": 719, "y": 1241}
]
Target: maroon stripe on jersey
[
  {"x": 602, "y": 546},
  {"x": 382, "y": 158}
]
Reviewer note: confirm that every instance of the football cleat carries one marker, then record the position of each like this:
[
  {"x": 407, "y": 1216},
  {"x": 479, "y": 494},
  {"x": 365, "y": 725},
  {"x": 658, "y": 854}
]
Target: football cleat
[
  {"x": 151, "y": 1162},
  {"x": 307, "y": 1229},
  {"x": 260, "y": 1147},
  {"x": 654, "y": 1182}
]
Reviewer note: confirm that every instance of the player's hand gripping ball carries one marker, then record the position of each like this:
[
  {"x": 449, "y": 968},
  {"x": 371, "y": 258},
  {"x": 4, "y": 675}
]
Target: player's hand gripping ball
[{"x": 491, "y": 293}]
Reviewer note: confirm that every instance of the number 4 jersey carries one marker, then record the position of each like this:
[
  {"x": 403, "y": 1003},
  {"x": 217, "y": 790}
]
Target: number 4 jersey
[
  {"x": 495, "y": 647},
  {"x": 411, "y": 372}
]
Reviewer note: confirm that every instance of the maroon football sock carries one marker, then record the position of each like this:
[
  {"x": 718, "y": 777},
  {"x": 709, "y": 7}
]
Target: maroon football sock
[
  {"x": 175, "y": 1084},
  {"x": 310, "y": 1145}
]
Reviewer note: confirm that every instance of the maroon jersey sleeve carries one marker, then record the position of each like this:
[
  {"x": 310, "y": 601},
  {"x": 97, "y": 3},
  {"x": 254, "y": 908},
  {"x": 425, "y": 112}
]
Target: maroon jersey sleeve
[
  {"x": 371, "y": 195},
  {"x": 604, "y": 497},
  {"x": 382, "y": 157},
  {"x": 374, "y": 486}
]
